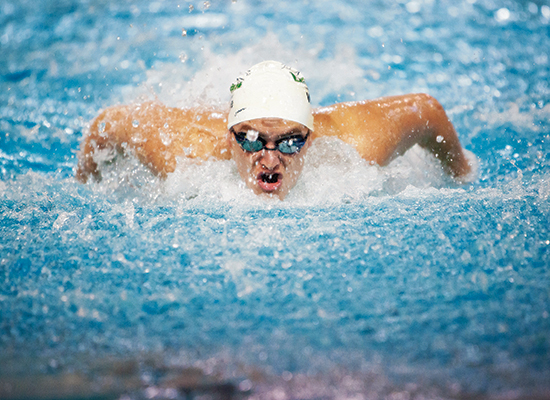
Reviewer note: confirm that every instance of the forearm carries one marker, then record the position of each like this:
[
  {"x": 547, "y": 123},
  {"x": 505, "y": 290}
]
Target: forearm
[
  {"x": 106, "y": 133},
  {"x": 385, "y": 128},
  {"x": 434, "y": 132}
]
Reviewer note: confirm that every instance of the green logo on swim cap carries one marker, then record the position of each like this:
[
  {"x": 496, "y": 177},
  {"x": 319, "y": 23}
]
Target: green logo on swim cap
[
  {"x": 236, "y": 85},
  {"x": 299, "y": 80}
]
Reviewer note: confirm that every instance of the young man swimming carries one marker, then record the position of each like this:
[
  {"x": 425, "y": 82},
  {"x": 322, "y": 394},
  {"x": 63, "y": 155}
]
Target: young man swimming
[{"x": 269, "y": 127}]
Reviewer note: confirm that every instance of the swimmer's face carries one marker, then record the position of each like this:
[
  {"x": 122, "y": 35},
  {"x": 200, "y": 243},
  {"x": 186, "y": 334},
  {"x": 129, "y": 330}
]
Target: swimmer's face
[{"x": 269, "y": 172}]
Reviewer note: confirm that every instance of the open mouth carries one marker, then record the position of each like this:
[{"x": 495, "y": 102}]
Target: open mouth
[{"x": 269, "y": 181}]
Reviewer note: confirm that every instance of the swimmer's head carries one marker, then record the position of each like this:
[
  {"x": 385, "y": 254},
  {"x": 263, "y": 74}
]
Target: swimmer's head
[{"x": 270, "y": 90}]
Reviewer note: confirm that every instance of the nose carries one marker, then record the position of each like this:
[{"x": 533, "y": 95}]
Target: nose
[{"x": 269, "y": 159}]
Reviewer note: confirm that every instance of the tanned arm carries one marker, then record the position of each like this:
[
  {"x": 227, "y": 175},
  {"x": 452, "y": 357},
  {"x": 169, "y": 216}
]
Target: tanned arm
[
  {"x": 155, "y": 134},
  {"x": 385, "y": 128},
  {"x": 379, "y": 129}
]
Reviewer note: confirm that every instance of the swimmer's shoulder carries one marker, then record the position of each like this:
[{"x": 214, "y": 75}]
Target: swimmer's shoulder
[
  {"x": 347, "y": 118},
  {"x": 369, "y": 116}
]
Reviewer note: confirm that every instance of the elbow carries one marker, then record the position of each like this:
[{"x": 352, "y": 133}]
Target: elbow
[
  {"x": 429, "y": 101},
  {"x": 102, "y": 134},
  {"x": 106, "y": 120},
  {"x": 432, "y": 112}
]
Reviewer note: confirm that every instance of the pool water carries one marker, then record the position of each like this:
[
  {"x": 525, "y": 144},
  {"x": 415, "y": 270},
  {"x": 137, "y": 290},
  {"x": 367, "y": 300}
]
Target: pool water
[{"x": 365, "y": 283}]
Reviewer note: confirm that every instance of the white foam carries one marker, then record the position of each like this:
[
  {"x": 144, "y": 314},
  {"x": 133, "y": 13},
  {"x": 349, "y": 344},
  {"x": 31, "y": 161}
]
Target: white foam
[
  {"x": 334, "y": 173},
  {"x": 519, "y": 118},
  {"x": 182, "y": 84},
  {"x": 473, "y": 162},
  {"x": 211, "y": 180}
]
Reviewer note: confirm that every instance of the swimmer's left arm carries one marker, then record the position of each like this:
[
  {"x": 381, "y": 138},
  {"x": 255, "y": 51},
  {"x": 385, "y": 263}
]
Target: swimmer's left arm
[{"x": 385, "y": 128}]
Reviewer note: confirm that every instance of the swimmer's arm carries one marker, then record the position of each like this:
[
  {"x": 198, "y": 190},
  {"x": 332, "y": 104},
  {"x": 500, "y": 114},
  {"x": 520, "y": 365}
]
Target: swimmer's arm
[
  {"x": 385, "y": 128},
  {"x": 107, "y": 132},
  {"x": 155, "y": 134}
]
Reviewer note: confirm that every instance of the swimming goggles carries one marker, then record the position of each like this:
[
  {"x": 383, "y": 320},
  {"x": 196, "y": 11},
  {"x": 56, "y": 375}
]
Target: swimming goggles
[{"x": 288, "y": 145}]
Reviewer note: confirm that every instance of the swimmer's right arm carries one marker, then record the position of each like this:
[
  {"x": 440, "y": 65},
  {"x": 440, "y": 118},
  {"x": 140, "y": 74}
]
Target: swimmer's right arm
[
  {"x": 153, "y": 133},
  {"x": 106, "y": 132}
]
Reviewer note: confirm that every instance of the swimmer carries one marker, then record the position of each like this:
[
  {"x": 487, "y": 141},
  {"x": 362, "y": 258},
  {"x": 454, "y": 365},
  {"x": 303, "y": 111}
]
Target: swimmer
[{"x": 268, "y": 130}]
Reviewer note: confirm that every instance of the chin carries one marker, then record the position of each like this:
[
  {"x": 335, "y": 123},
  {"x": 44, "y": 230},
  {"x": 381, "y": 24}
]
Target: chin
[{"x": 279, "y": 193}]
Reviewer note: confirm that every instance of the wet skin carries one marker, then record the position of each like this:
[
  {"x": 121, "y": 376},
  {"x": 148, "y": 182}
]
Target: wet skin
[
  {"x": 269, "y": 172},
  {"x": 379, "y": 130}
]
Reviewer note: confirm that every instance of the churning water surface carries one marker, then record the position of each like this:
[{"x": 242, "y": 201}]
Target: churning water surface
[{"x": 366, "y": 282}]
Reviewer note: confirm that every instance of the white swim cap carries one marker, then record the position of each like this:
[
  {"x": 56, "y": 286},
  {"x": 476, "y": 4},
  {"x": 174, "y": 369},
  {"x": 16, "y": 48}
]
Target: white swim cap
[{"x": 270, "y": 90}]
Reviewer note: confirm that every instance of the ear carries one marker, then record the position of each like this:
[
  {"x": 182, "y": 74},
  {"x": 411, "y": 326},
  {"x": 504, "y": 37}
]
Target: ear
[
  {"x": 309, "y": 140},
  {"x": 230, "y": 141}
]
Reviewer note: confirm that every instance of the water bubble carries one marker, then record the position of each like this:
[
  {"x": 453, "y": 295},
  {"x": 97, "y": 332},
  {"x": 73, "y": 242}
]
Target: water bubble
[
  {"x": 464, "y": 80},
  {"x": 413, "y": 7},
  {"x": 502, "y": 15},
  {"x": 154, "y": 7},
  {"x": 245, "y": 385},
  {"x": 252, "y": 135},
  {"x": 165, "y": 138},
  {"x": 453, "y": 11},
  {"x": 151, "y": 392},
  {"x": 376, "y": 31},
  {"x": 541, "y": 59}
]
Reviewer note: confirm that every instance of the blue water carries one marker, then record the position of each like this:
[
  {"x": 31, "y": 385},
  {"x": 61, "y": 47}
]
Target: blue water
[{"x": 366, "y": 282}]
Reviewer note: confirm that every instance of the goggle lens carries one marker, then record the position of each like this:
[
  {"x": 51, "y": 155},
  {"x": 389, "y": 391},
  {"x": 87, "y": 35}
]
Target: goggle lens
[{"x": 289, "y": 145}]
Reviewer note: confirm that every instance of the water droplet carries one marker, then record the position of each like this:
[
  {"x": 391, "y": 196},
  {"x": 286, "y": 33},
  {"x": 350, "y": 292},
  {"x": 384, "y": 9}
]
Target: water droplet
[
  {"x": 166, "y": 139},
  {"x": 439, "y": 139},
  {"x": 502, "y": 15},
  {"x": 245, "y": 385},
  {"x": 135, "y": 123},
  {"x": 413, "y": 7}
]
